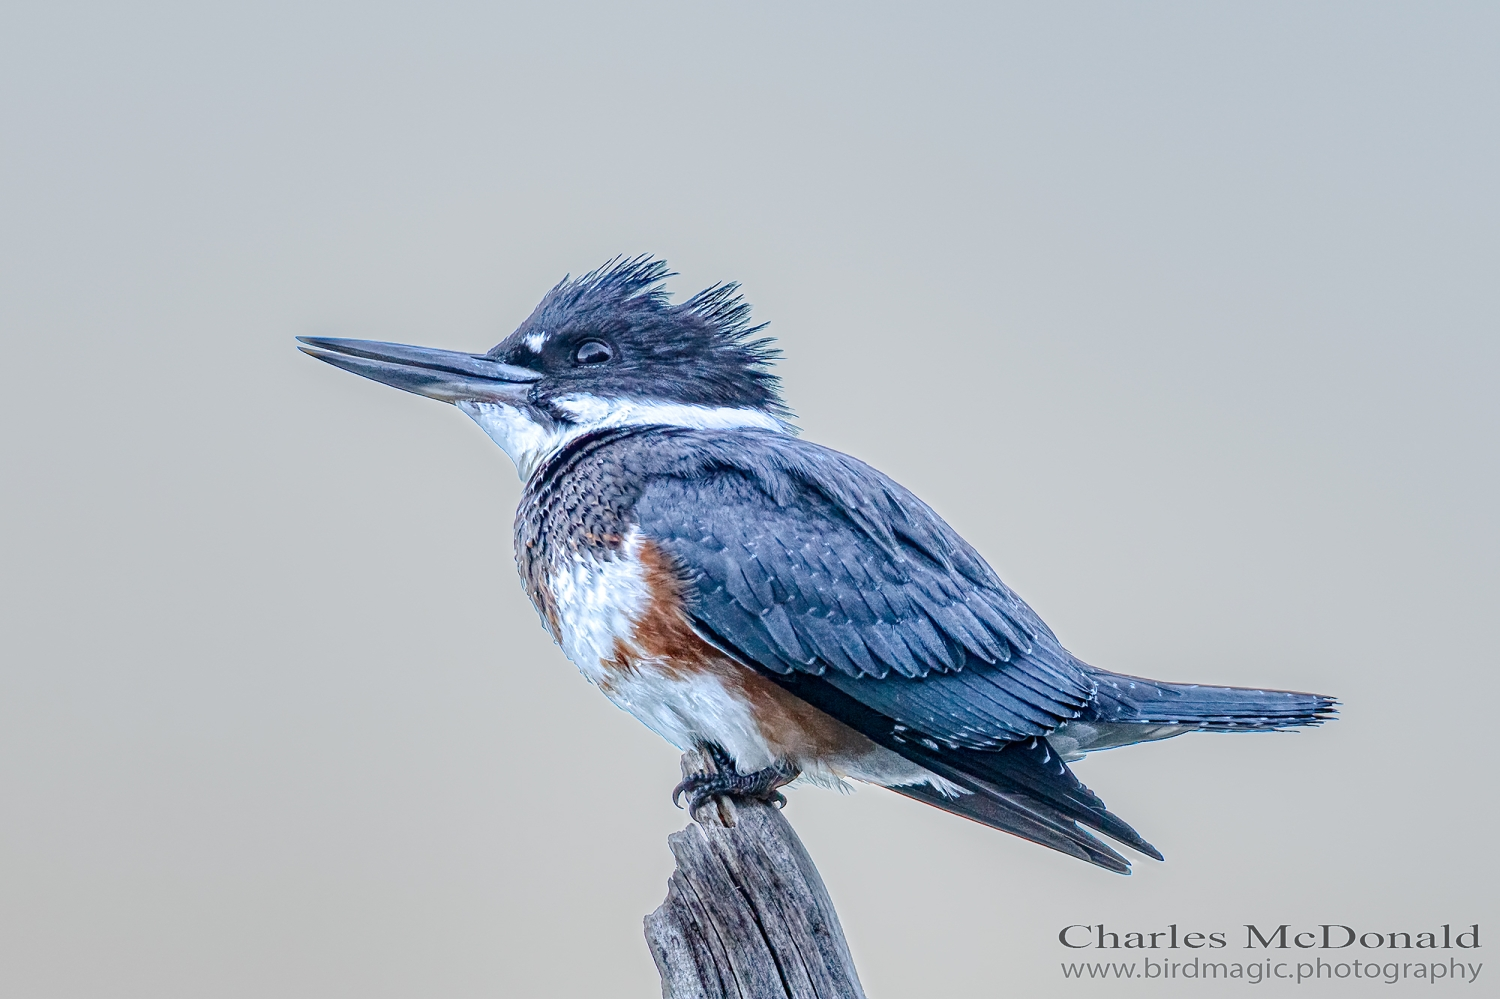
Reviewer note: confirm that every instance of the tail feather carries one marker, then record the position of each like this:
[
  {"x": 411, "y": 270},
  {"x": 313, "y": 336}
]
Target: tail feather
[
  {"x": 1025, "y": 788},
  {"x": 1134, "y": 699}
]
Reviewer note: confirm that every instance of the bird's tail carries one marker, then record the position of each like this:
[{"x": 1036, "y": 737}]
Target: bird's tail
[{"x": 1135, "y": 700}]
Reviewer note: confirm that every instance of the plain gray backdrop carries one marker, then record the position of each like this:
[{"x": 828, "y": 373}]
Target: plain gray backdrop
[{"x": 1184, "y": 314}]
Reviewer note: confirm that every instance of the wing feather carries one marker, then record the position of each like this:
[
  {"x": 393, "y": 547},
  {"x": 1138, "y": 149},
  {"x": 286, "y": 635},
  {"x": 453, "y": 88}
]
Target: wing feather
[{"x": 803, "y": 559}]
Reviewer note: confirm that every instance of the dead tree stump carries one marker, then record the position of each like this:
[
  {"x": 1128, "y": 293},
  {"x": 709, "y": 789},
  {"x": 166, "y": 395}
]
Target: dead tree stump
[{"x": 746, "y": 914}]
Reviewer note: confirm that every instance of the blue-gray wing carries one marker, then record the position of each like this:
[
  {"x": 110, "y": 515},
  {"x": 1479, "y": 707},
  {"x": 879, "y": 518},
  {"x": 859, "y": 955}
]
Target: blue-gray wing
[{"x": 801, "y": 559}]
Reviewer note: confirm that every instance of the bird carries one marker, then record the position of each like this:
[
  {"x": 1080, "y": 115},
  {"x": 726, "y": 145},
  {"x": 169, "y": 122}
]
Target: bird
[{"x": 784, "y": 608}]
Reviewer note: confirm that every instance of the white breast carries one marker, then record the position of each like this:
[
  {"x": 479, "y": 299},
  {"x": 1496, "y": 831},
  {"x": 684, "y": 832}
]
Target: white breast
[{"x": 599, "y": 602}]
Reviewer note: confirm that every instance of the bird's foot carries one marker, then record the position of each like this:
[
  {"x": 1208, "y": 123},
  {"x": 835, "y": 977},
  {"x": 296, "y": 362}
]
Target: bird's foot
[{"x": 723, "y": 780}]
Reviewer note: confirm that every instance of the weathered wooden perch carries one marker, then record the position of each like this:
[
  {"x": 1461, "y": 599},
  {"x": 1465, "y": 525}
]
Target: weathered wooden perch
[{"x": 746, "y": 914}]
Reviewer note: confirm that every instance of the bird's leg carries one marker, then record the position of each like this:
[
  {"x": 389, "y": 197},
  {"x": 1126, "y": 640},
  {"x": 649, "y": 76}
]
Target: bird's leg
[{"x": 724, "y": 779}]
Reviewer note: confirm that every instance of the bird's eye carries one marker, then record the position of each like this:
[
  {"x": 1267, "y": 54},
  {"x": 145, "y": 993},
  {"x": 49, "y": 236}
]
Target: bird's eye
[{"x": 593, "y": 352}]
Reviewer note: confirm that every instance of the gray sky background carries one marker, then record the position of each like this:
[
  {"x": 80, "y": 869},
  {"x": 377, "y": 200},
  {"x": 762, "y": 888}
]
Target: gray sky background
[{"x": 1184, "y": 314}]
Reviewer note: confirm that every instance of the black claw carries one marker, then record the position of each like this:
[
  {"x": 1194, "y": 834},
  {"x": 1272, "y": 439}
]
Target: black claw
[{"x": 728, "y": 782}]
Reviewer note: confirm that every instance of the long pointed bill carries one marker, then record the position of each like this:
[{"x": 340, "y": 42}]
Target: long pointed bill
[{"x": 446, "y": 375}]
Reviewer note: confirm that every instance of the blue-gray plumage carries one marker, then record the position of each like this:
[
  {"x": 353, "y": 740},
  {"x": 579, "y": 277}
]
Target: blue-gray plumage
[{"x": 787, "y": 606}]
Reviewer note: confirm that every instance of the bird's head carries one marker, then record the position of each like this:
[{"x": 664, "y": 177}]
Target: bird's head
[{"x": 608, "y": 349}]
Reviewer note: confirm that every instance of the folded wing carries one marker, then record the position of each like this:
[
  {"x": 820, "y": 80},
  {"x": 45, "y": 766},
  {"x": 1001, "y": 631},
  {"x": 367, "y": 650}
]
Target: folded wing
[{"x": 837, "y": 583}]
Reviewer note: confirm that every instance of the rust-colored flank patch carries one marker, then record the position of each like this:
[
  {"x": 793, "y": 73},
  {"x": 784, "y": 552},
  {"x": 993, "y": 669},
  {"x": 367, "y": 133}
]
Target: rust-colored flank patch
[{"x": 794, "y": 729}]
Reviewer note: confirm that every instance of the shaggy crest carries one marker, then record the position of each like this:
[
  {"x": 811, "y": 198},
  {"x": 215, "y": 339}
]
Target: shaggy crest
[{"x": 704, "y": 350}]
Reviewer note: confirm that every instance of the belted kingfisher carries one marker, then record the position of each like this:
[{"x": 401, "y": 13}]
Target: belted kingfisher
[{"x": 785, "y": 607}]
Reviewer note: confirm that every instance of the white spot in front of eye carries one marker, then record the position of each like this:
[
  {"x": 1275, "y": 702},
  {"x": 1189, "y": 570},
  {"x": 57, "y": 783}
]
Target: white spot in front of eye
[{"x": 534, "y": 341}]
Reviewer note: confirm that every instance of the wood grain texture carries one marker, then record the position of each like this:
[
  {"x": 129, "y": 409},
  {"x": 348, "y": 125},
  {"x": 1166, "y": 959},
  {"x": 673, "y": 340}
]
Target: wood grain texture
[{"x": 746, "y": 914}]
